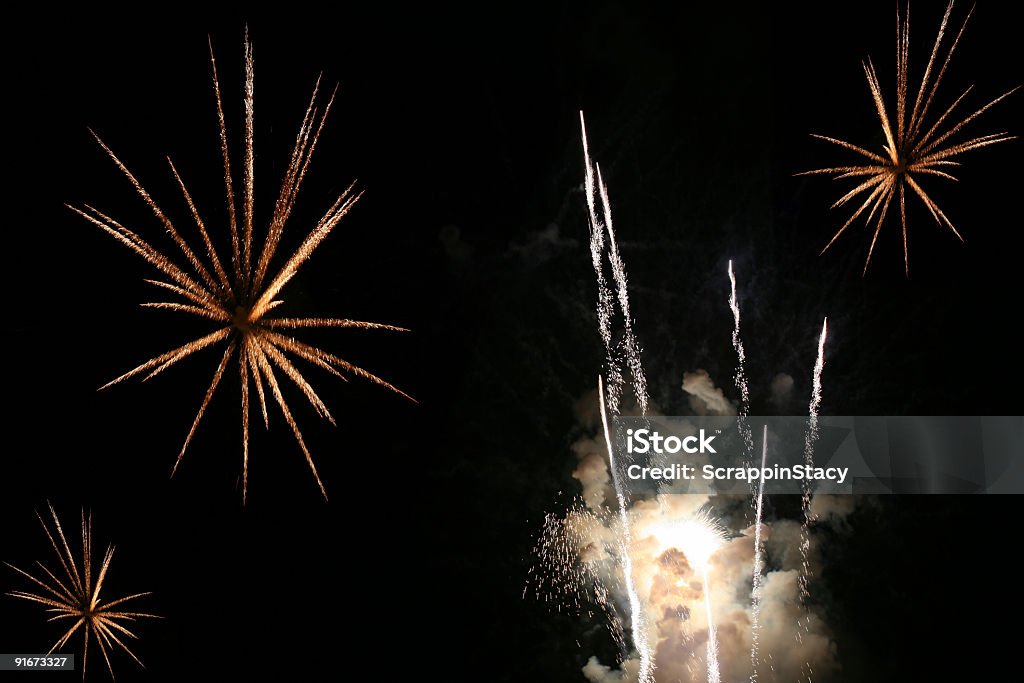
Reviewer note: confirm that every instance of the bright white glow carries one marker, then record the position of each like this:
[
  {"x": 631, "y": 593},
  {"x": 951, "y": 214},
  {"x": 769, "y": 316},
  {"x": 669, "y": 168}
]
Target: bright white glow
[{"x": 697, "y": 537}]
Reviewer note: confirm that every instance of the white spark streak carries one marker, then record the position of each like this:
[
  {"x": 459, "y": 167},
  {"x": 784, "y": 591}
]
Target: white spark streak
[
  {"x": 810, "y": 439},
  {"x": 637, "y": 622},
  {"x": 755, "y": 592},
  {"x": 714, "y": 673},
  {"x": 741, "y": 357},
  {"x": 600, "y": 228},
  {"x": 756, "y": 490},
  {"x": 605, "y": 301},
  {"x": 600, "y": 225}
]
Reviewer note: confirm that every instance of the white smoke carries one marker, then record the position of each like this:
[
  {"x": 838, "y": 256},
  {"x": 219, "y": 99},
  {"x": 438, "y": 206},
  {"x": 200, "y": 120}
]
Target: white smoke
[
  {"x": 782, "y": 392},
  {"x": 599, "y": 673},
  {"x": 834, "y": 509},
  {"x": 671, "y": 589},
  {"x": 705, "y": 397},
  {"x": 592, "y": 473},
  {"x": 620, "y": 541}
]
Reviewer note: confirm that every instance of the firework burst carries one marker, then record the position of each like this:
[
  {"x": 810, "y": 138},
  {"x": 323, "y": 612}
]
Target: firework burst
[
  {"x": 76, "y": 597},
  {"x": 239, "y": 294},
  {"x": 912, "y": 148}
]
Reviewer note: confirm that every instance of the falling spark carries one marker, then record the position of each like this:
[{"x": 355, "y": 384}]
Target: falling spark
[
  {"x": 810, "y": 440},
  {"x": 240, "y": 294},
  {"x": 638, "y": 625},
  {"x": 567, "y": 573},
  {"x": 76, "y": 597},
  {"x": 741, "y": 375},
  {"x": 912, "y": 148},
  {"x": 755, "y": 592},
  {"x": 714, "y": 672},
  {"x": 605, "y": 301},
  {"x": 740, "y": 378},
  {"x": 599, "y": 225},
  {"x": 595, "y": 187}
]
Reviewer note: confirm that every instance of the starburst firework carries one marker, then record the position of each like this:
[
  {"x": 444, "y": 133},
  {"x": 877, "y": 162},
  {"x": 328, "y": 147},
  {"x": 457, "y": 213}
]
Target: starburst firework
[
  {"x": 239, "y": 295},
  {"x": 77, "y": 597},
  {"x": 912, "y": 148}
]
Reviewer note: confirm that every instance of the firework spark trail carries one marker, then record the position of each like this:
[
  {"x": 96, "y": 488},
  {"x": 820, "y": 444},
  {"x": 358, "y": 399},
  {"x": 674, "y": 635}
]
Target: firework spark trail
[
  {"x": 755, "y": 591},
  {"x": 605, "y": 301},
  {"x": 757, "y": 491},
  {"x": 714, "y": 672},
  {"x": 810, "y": 440},
  {"x": 741, "y": 374},
  {"x": 599, "y": 224},
  {"x": 638, "y": 624},
  {"x": 596, "y": 187},
  {"x": 632, "y": 347}
]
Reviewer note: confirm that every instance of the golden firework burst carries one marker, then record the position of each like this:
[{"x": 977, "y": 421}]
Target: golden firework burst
[
  {"x": 912, "y": 148},
  {"x": 239, "y": 296},
  {"x": 76, "y": 597}
]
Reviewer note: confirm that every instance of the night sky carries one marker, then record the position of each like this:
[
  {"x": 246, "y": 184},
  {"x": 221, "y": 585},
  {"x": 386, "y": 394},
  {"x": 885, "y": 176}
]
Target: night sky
[{"x": 461, "y": 123}]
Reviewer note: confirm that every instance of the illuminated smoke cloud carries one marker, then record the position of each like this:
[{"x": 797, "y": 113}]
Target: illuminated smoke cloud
[
  {"x": 705, "y": 397},
  {"x": 670, "y": 587}
]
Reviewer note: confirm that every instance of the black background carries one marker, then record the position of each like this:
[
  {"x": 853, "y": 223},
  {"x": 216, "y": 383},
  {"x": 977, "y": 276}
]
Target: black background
[{"x": 461, "y": 122}]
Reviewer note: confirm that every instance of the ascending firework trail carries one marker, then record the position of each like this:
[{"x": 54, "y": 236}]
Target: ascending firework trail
[{"x": 611, "y": 394}]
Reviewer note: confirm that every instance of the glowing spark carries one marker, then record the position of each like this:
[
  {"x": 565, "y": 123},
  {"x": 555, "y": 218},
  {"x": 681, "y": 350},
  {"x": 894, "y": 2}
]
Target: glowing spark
[
  {"x": 912, "y": 148},
  {"x": 714, "y": 671},
  {"x": 595, "y": 187},
  {"x": 755, "y": 592},
  {"x": 605, "y": 302},
  {"x": 756, "y": 490},
  {"x": 819, "y": 367},
  {"x": 697, "y": 537},
  {"x": 741, "y": 357},
  {"x": 76, "y": 596},
  {"x": 568, "y": 569},
  {"x": 810, "y": 439},
  {"x": 239, "y": 302},
  {"x": 638, "y": 623}
]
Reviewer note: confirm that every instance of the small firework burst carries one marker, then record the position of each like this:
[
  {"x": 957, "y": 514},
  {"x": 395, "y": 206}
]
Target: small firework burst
[
  {"x": 239, "y": 294},
  {"x": 912, "y": 147},
  {"x": 76, "y": 598}
]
